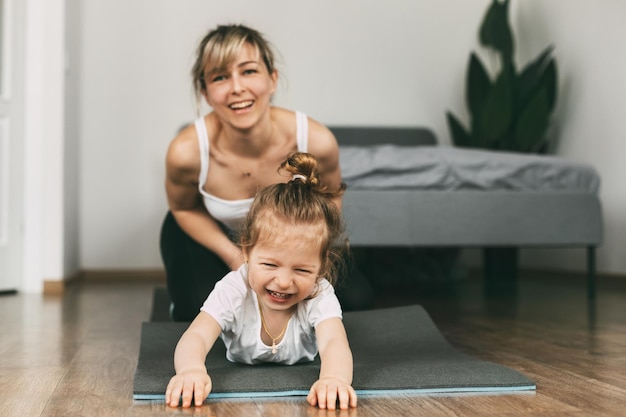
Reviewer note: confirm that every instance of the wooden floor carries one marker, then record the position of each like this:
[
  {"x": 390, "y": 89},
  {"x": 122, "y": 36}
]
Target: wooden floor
[{"x": 76, "y": 355}]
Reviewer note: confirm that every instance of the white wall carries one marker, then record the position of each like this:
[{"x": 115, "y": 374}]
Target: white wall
[
  {"x": 589, "y": 48},
  {"x": 343, "y": 62}
]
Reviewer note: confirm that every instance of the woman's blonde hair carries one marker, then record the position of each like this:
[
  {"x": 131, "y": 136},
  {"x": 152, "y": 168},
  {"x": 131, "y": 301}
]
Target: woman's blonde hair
[
  {"x": 220, "y": 47},
  {"x": 303, "y": 200}
]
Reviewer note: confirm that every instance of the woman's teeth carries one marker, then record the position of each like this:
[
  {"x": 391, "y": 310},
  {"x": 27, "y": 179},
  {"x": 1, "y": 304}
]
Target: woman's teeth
[{"x": 241, "y": 105}]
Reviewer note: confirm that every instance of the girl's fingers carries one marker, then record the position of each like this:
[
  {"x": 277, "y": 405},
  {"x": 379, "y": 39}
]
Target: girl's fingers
[
  {"x": 172, "y": 393},
  {"x": 198, "y": 395},
  {"x": 347, "y": 398},
  {"x": 187, "y": 395},
  {"x": 326, "y": 395},
  {"x": 331, "y": 398},
  {"x": 321, "y": 395},
  {"x": 312, "y": 397},
  {"x": 344, "y": 398},
  {"x": 353, "y": 399}
]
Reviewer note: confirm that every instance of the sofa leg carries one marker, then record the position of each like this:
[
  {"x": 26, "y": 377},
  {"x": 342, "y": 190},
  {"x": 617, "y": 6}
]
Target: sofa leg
[
  {"x": 591, "y": 273},
  {"x": 591, "y": 286},
  {"x": 500, "y": 266}
]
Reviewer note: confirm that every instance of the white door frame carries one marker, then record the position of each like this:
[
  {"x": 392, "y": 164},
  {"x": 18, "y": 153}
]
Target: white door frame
[
  {"x": 32, "y": 280},
  {"x": 41, "y": 91},
  {"x": 11, "y": 144},
  {"x": 40, "y": 179}
]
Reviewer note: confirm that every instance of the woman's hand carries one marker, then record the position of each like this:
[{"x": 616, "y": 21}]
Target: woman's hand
[
  {"x": 190, "y": 383},
  {"x": 327, "y": 392}
]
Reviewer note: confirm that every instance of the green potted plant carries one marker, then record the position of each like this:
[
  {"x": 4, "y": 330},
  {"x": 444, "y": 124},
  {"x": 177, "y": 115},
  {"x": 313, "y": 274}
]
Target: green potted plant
[{"x": 510, "y": 110}]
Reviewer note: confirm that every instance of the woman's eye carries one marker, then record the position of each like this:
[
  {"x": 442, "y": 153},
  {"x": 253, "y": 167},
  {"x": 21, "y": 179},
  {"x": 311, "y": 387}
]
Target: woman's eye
[
  {"x": 303, "y": 271},
  {"x": 217, "y": 78},
  {"x": 249, "y": 71}
]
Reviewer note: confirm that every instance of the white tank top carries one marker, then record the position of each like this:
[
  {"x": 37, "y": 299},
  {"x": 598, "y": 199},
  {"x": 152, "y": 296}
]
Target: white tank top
[{"x": 231, "y": 213}]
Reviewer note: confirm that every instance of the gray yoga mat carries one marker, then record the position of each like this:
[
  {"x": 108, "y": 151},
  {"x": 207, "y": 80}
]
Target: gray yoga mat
[{"x": 395, "y": 350}]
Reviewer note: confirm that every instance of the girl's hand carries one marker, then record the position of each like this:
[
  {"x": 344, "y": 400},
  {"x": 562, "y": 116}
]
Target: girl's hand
[
  {"x": 326, "y": 392},
  {"x": 194, "y": 383}
]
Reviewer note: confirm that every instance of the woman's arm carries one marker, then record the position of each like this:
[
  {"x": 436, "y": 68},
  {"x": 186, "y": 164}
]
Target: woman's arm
[
  {"x": 192, "y": 379},
  {"x": 334, "y": 383},
  {"x": 184, "y": 200}
]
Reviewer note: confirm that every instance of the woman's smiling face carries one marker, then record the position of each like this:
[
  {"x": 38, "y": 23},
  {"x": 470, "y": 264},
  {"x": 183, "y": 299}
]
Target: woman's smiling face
[
  {"x": 283, "y": 270},
  {"x": 243, "y": 91}
]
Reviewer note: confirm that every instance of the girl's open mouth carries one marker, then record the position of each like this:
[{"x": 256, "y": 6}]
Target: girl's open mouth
[{"x": 280, "y": 296}]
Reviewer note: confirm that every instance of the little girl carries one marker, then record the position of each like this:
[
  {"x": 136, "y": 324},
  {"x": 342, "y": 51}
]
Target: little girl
[{"x": 280, "y": 305}]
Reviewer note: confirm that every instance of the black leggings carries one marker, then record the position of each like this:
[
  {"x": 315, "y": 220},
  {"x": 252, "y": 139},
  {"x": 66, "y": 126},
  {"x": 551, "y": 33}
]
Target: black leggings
[{"x": 192, "y": 271}]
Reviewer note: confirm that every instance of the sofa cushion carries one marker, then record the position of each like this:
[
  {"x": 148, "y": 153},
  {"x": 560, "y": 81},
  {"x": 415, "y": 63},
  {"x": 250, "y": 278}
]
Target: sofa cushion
[{"x": 389, "y": 167}]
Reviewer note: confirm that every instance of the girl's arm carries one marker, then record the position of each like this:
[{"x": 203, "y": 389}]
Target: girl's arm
[
  {"x": 192, "y": 379},
  {"x": 184, "y": 200},
  {"x": 334, "y": 383}
]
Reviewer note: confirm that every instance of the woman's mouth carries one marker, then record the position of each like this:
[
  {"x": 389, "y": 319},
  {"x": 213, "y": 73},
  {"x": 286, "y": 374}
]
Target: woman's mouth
[{"x": 241, "y": 105}]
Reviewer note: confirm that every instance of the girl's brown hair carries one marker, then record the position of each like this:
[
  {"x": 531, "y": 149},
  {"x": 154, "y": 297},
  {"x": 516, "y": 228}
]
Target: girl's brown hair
[{"x": 302, "y": 200}]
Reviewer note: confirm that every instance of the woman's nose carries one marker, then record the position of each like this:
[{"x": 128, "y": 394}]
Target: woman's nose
[{"x": 236, "y": 84}]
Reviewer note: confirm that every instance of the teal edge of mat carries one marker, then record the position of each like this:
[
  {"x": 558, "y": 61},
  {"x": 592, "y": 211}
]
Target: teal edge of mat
[{"x": 294, "y": 393}]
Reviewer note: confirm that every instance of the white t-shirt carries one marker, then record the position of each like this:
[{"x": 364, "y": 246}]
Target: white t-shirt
[{"x": 233, "y": 304}]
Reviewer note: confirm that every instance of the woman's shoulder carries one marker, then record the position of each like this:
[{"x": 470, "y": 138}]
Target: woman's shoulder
[
  {"x": 183, "y": 150},
  {"x": 321, "y": 139},
  {"x": 288, "y": 117},
  {"x": 283, "y": 114},
  {"x": 285, "y": 119}
]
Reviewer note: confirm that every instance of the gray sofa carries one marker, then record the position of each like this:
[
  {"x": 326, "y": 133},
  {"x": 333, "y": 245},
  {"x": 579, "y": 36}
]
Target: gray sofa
[{"x": 443, "y": 197}]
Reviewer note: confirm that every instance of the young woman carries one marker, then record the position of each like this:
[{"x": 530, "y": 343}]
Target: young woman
[
  {"x": 215, "y": 166},
  {"x": 279, "y": 306}
]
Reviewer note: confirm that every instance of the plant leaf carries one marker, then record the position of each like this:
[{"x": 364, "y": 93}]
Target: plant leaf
[
  {"x": 530, "y": 78},
  {"x": 478, "y": 85},
  {"x": 460, "y": 136},
  {"x": 496, "y": 115},
  {"x": 531, "y": 126},
  {"x": 495, "y": 31},
  {"x": 549, "y": 81}
]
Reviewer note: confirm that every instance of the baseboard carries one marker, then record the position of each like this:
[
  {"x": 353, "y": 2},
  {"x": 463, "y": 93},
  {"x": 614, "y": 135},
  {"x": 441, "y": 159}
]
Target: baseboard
[
  {"x": 58, "y": 287},
  {"x": 157, "y": 275},
  {"x": 54, "y": 287}
]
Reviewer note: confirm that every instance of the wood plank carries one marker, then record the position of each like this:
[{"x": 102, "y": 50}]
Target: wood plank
[{"x": 25, "y": 391}]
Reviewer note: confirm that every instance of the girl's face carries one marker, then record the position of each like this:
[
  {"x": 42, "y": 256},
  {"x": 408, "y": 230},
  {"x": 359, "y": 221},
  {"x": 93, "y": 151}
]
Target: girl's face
[
  {"x": 242, "y": 93},
  {"x": 283, "y": 271}
]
